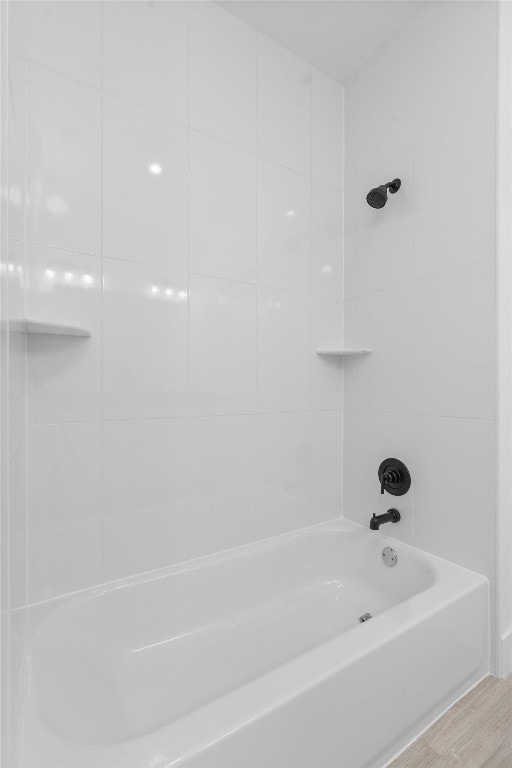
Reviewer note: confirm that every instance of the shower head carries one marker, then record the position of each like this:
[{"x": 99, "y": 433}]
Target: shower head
[{"x": 378, "y": 196}]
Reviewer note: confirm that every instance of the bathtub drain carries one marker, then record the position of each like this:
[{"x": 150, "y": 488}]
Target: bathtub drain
[{"x": 365, "y": 617}]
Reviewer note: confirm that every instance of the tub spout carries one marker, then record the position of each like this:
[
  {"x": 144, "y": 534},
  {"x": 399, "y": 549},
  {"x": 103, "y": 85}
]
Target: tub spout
[{"x": 391, "y": 516}]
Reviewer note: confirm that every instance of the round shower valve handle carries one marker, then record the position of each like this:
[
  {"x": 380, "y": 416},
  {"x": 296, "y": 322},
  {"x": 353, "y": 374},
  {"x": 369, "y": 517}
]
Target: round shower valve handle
[
  {"x": 394, "y": 477},
  {"x": 390, "y": 477}
]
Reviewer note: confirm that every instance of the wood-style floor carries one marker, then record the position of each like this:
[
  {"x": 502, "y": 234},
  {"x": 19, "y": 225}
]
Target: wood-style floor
[{"x": 475, "y": 733}]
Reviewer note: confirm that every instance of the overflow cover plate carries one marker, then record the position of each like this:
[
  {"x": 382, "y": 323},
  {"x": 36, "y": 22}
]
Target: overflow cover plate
[{"x": 389, "y": 556}]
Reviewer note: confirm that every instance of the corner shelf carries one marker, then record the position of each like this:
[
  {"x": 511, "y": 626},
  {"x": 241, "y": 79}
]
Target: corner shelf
[
  {"x": 343, "y": 352},
  {"x": 49, "y": 329}
]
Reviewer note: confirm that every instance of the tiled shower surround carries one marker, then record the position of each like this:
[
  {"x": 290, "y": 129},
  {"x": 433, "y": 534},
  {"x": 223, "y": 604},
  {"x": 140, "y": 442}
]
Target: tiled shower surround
[{"x": 202, "y": 248}]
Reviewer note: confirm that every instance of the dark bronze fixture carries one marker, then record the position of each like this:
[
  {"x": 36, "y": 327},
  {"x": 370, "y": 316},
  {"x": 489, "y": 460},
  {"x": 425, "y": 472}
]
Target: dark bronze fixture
[
  {"x": 391, "y": 516},
  {"x": 394, "y": 477},
  {"x": 378, "y": 196}
]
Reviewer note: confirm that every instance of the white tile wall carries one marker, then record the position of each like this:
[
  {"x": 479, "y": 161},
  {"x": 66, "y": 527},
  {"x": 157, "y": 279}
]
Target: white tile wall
[
  {"x": 17, "y": 28},
  {"x": 223, "y": 327},
  {"x": 145, "y": 341},
  {"x": 63, "y": 374},
  {"x": 284, "y": 106},
  {"x": 284, "y": 228},
  {"x": 383, "y": 322},
  {"x": 13, "y": 559},
  {"x": 63, "y": 503},
  {"x": 145, "y": 186},
  {"x": 66, "y": 38},
  {"x": 284, "y": 469},
  {"x": 184, "y": 204},
  {"x": 298, "y": 463},
  {"x": 454, "y": 62},
  {"x": 353, "y": 340},
  {"x": 454, "y": 508},
  {"x": 456, "y": 227},
  {"x": 420, "y": 282},
  {"x": 327, "y": 331},
  {"x": 17, "y": 515},
  {"x": 327, "y": 241},
  {"x": 145, "y": 55},
  {"x": 350, "y": 133},
  {"x": 223, "y": 189},
  {"x": 326, "y": 137},
  {"x": 327, "y": 458},
  {"x": 455, "y": 343},
  {"x": 222, "y": 75},
  {"x": 14, "y": 260},
  {"x": 351, "y": 207},
  {"x": 145, "y": 491},
  {"x": 384, "y": 106},
  {"x": 63, "y": 145},
  {"x": 284, "y": 351},
  {"x": 223, "y": 504},
  {"x": 17, "y": 120}
]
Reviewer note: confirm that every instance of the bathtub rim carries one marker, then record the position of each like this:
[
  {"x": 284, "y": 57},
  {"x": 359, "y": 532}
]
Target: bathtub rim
[{"x": 233, "y": 553}]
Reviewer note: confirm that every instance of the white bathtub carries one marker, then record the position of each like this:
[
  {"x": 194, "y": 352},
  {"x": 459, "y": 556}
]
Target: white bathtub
[{"x": 256, "y": 657}]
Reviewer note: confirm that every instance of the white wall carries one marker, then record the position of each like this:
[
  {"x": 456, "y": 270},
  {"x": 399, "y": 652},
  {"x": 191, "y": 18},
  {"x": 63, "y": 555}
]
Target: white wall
[
  {"x": 420, "y": 282},
  {"x": 504, "y": 272},
  {"x": 197, "y": 417}
]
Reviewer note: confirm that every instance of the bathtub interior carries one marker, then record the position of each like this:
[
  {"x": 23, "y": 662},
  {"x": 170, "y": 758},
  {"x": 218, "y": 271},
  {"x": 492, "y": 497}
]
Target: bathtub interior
[{"x": 126, "y": 661}]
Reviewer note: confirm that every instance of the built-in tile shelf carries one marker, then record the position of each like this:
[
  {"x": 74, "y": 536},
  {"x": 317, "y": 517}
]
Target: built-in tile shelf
[
  {"x": 343, "y": 352},
  {"x": 52, "y": 329}
]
